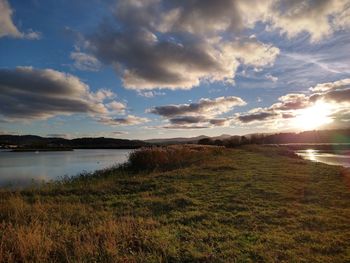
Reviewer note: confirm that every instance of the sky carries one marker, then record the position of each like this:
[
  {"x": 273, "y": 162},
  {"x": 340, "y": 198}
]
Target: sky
[{"x": 141, "y": 69}]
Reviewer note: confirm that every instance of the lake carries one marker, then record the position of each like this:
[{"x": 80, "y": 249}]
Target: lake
[
  {"x": 22, "y": 168},
  {"x": 333, "y": 158}
]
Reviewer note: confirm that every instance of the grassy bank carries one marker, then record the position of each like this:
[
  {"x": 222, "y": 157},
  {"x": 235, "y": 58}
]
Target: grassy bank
[{"x": 253, "y": 204}]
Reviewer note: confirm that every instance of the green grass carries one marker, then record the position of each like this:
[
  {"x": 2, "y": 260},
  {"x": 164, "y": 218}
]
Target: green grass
[{"x": 252, "y": 204}]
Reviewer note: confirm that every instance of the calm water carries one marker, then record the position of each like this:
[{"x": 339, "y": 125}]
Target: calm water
[
  {"x": 21, "y": 168},
  {"x": 342, "y": 158}
]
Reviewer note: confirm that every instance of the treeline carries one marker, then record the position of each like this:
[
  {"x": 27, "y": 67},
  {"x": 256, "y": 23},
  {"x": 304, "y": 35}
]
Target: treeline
[
  {"x": 307, "y": 137},
  {"x": 37, "y": 142}
]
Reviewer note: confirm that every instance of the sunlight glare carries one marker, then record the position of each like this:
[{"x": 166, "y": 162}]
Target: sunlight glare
[{"x": 314, "y": 116}]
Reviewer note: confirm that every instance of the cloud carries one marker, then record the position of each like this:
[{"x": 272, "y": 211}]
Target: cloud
[
  {"x": 333, "y": 95},
  {"x": 336, "y": 92},
  {"x": 323, "y": 87},
  {"x": 292, "y": 101},
  {"x": 208, "y": 107},
  {"x": 147, "y": 63},
  {"x": 85, "y": 62},
  {"x": 116, "y": 106},
  {"x": 179, "y": 44},
  {"x": 271, "y": 78},
  {"x": 183, "y": 127},
  {"x": 32, "y": 35},
  {"x": 315, "y": 17},
  {"x": 124, "y": 121},
  {"x": 120, "y": 133},
  {"x": 252, "y": 52},
  {"x": 256, "y": 115},
  {"x": 8, "y": 28},
  {"x": 220, "y": 121},
  {"x": 150, "y": 94},
  {"x": 36, "y": 94},
  {"x": 203, "y": 113},
  {"x": 195, "y": 122},
  {"x": 187, "y": 120},
  {"x": 176, "y": 44}
]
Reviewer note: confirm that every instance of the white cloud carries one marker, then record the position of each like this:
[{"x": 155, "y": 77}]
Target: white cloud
[
  {"x": 85, "y": 62},
  {"x": 315, "y": 17},
  {"x": 116, "y": 106},
  {"x": 32, "y": 35},
  {"x": 252, "y": 52},
  {"x": 271, "y": 78},
  {"x": 7, "y": 26},
  {"x": 324, "y": 87},
  {"x": 150, "y": 94}
]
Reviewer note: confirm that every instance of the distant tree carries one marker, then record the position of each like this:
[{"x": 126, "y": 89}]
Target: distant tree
[
  {"x": 234, "y": 141},
  {"x": 205, "y": 141},
  {"x": 218, "y": 142},
  {"x": 244, "y": 140}
]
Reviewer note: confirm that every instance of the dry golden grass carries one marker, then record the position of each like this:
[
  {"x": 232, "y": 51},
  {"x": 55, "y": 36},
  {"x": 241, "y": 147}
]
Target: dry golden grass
[
  {"x": 251, "y": 204},
  {"x": 69, "y": 233},
  {"x": 170, "y": 157}
]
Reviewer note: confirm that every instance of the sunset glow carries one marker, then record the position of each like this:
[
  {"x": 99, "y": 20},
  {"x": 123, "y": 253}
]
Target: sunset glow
[{"x": 314, "y": 116}]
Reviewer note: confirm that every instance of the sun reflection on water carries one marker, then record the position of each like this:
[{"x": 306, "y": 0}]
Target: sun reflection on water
[{"x": 311, "y": 154}]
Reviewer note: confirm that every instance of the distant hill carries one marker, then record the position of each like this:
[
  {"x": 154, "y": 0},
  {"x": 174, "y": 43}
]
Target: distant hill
[
  {"x": 322, "y": 136},
  {"x": 187, "y": 139},
  {"x": 307, "y": 137},
  {"x": 177, "y": 140},
  {"x": 37, "y": 142}
]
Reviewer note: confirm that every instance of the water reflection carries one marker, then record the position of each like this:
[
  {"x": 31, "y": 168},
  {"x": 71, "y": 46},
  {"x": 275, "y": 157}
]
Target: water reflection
[
  {"x": 22, "y": 168},
  {"x": 333, "y": 158},
  {"x": 311, "y": 154}
]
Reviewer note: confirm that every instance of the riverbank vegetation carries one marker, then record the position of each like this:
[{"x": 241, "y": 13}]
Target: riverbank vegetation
[{"x": 185, "y": 204}]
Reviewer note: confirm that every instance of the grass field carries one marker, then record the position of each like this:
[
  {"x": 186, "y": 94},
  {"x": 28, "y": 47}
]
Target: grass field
[{"x": 253, "y": 204}]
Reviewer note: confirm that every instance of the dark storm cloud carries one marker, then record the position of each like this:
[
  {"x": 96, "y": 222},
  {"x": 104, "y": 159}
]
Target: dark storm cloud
[{"x": 27, "y": 93}]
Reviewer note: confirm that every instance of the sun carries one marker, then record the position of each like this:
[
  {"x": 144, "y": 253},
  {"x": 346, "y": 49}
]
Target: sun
[{"x": 314, "y": 116}]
